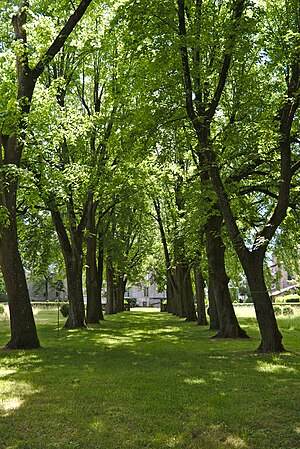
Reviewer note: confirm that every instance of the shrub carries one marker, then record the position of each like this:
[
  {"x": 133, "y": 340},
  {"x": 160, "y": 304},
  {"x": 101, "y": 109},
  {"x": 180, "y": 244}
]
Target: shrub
[
  {"x": 293, "y": 298},
  {"x": 277, "y": 310},
  {"x": 287, "y": 310},
  {"x": 1, "y": 309},
  {"x": 65, "y": 310}
]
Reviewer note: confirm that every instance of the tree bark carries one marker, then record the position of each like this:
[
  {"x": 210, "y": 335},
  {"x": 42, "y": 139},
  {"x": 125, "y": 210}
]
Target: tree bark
[
  {"x": 185, "y": 293},
  {"x": 169, "y": 273},
  {"x": 73, "y": 257},
  {"x": 120, "y": 287},
  {"x": 100, "y": 269},
  {"x": 22, "y": 325},
  {"x": 229, "y": 326},
  {"x": 214, "y": 322},
  {"x": 252, "y": 262},
  {"x": 93, "y": 280},
  {"x": 74, "y": 265},
  {"x": 170, "y": 292},
  {"x": 110, "y": 290},
  {"x": 271, "y": 338},
  {"x": 200, "y": 295}
]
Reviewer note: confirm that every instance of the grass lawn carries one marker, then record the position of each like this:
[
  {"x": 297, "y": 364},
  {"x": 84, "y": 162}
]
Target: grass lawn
[{"x": 148, "y": 380}]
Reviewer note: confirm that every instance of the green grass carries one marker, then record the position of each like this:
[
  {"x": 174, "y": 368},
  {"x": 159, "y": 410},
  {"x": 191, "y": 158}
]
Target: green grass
[{"x": 148, "y": 381}]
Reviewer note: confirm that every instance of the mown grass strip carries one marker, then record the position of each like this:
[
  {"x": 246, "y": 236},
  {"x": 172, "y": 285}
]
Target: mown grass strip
[{"x": 149, "y": 381}]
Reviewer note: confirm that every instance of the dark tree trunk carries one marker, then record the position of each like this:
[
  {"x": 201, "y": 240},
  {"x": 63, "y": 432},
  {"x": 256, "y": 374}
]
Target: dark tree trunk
[
  {"x": 23, "y": 329},
  {"x": 185, "y": 293},
  {"x": 76, "y": 318},
  {"x": 177, "y": 299},
  {"x": 169, "y": 273},
  {"x": 170, "y": 292},
  {"x": 47, "y": 278},
  {"x": 229, "y": 326},
  {"x": 73, "y": 257},
  {"x": 100, "y": 275},
  {"x": 200, "y": 295},
  {"x": 214, "y": 322},
  {"x": 110, "y": 291},
  {"x": 271, "y": 338},
  {"x": 74, "y": 267},
  {"x": 120, "y": 287},
  {"x": 252, "y": 262},
  {"x": 93, "y": 281}
]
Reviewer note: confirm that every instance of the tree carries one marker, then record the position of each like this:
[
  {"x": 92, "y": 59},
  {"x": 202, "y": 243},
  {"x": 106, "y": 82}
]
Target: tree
[
  {"x": 202, "y": 114},
  {"x": 23, "y": 331}
]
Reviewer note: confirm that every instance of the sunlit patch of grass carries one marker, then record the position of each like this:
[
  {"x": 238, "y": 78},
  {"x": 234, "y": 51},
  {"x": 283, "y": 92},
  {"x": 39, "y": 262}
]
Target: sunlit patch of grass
[
  {"x": 6, "y": 372},
  {"x": 9, "y": 405},
  {"x": 13, "y": 394},
  {"x": 194, "y": 381},
  {"x": 265, "y": 367},
  {"x": 235, "y": 442}
]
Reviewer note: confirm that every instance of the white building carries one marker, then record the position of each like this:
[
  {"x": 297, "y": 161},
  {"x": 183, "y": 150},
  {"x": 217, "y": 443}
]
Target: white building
[{"x": 146, "y": 295}]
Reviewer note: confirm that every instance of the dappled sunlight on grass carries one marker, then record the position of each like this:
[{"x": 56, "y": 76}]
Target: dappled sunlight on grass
[
  {"x": 195, "y": 381},
  {"x": 147, "y": 380},
  {"x": 266, "y": 367},
  {"x": 13, "y": 394},
  {"x": 131, "y": 337},
  {"x": 6, "y": 372},
  {"x": 10, "y": 405},
  {"x": 235, "y": 442}
]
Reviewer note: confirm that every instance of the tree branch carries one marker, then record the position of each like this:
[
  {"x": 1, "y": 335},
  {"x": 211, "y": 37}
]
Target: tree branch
[{"x": 60, "y": 39}]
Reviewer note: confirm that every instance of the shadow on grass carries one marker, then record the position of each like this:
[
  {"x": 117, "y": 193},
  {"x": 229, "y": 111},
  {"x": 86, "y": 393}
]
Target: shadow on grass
[{"x": 147, "y": 381}]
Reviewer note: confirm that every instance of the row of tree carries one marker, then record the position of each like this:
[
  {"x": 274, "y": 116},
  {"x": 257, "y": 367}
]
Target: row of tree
[{"x": 170, "y": 119}]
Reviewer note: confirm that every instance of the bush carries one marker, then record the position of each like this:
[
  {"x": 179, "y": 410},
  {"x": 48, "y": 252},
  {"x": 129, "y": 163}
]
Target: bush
[
  {"x": 293, "y": 298},
  {"x": 287, "y": 310},
  {"x": 277, "y": 310},
  {"x": 288, "y": 298},
  {"x": 65, "y": 310},
  {"x": 1, "y": 309}
]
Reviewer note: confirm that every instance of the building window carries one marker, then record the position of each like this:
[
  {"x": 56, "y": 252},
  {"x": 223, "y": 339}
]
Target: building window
[{"x": 146, "y": 291}]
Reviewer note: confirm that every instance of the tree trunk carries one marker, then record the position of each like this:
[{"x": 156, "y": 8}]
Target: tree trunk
[
  {"x": 177, "y": 300},
  {"x": 185, "y": 293},
  {"x": 252, "y": 262},
  {"x": 229, "y": 326},
  {"x": 93, "y": 286},
  {"x": 100, "y": 269},
  {"x": 47, "y": 279},
  {"x": 76, "y": 318},
  {"x": 214, "y": 322},
  {"x": 170, "y": 281},
  {"x": 170, "y": 292},
  {"x": 271, "y": 338},
  {"x": 22, "y": 325},
  {"x": 110, "y": 291},
  {"x": 120, "y": 287},
  {"x": 72, "y": 252},
  {"x": 200, "y": 295}
]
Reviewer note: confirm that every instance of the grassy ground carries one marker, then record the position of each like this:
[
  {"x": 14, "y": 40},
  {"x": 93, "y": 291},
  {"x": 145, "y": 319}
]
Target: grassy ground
[{"x": 148, "y": 381}]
